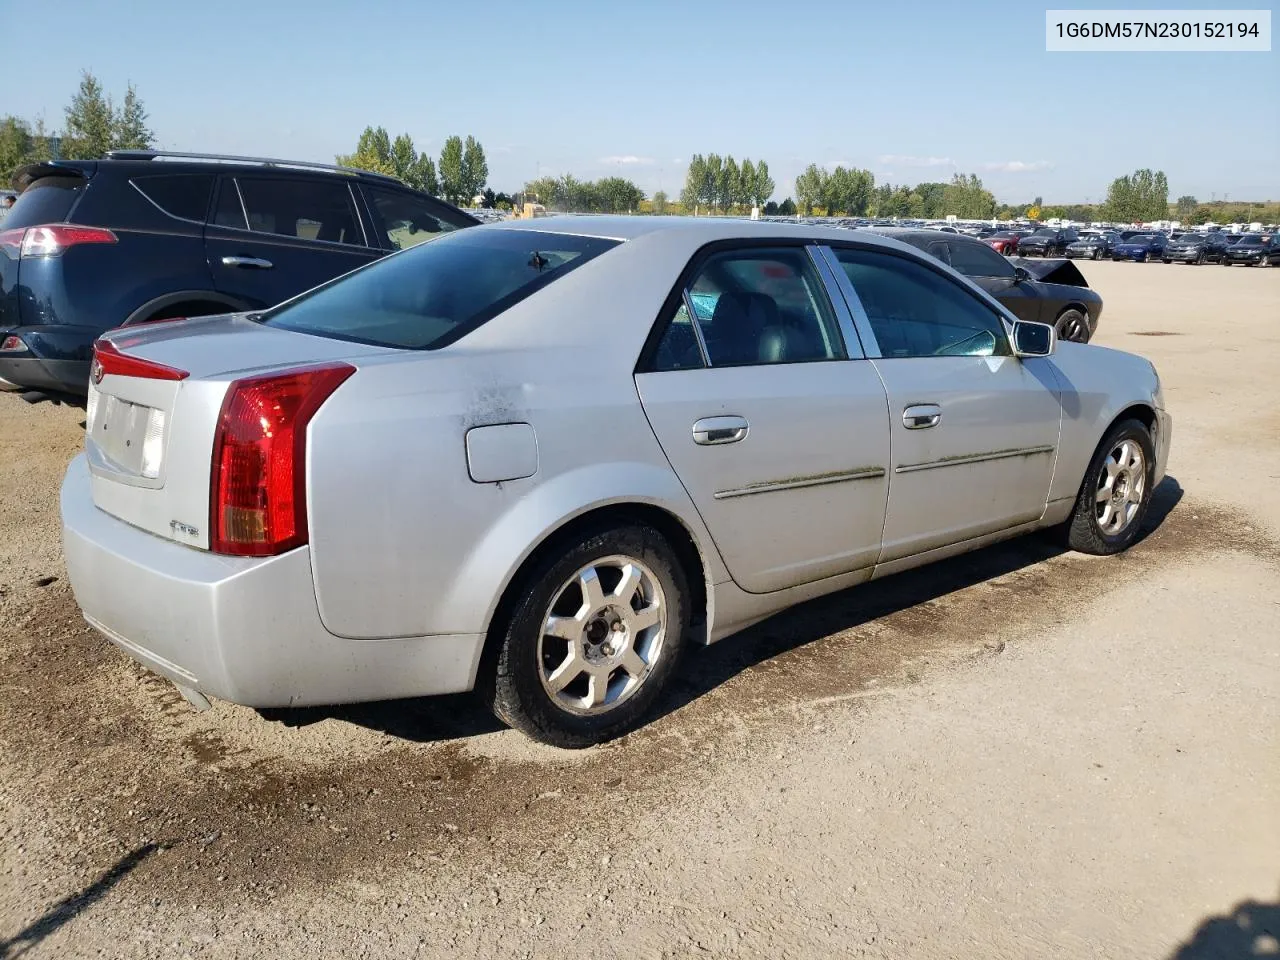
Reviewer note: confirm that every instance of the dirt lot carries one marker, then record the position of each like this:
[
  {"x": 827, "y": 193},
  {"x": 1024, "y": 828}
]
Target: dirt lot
[{"x": 1018, "y": 753}]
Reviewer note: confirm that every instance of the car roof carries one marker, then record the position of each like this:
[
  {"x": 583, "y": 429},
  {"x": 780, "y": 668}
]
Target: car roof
[
  {"x": 912, "y": 237},
  {"x": 697, "y": 230}
]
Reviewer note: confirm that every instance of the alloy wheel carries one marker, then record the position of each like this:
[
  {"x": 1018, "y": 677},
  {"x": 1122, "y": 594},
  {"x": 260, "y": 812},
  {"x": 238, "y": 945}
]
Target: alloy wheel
[
  {"x": 1122, "y": 482},
  {"x": 602, "y": 635}
]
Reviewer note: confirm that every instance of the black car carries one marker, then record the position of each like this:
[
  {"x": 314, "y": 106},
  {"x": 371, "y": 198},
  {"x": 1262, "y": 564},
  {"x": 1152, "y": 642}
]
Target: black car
[
  {"x": 1055, "y": 293},
  {"x": 142, "y": 236},
  {"x": 1195, "y": 248},
  {"x": 1047, "y": 242},
  {"x": 1093, "y": 246},
  {"x": 1254, "y": 249}
]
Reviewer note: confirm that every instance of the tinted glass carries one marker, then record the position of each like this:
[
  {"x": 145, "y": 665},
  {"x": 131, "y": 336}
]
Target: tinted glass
[
  {"x": 1251, "y": 238},
  {"x": 229, "y": 213},
  {"x": 678, "y": 349},
  {"x": 437, "y": 292},
  {"x": 979, "y": 260},
  {"x": 763, "y": 306},
  {"x": 404, "y": 220},
  {"x": 48, "y": 200},
  {"x": 182, "y": 195},
  {"x": 1046, "y": 232},
  {"x": 940, "y": 251},
  {"x": 916, "y": 312},
  {"x": 307, "y": 209}
]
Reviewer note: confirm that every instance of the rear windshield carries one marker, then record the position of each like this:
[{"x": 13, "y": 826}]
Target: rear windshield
[
  {"x": 430, "y": 295},
  {"x": 47, "y": 200}
]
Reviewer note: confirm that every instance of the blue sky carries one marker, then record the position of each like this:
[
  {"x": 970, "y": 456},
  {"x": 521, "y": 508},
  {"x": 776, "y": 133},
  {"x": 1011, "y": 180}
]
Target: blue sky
[{"x": 910, "y": 90}]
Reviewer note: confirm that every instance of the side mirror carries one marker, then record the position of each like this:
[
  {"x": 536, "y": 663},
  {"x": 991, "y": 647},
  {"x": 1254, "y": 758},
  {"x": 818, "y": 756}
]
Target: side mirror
[
  {"x": 1021, "y": 274},
  {"x": 1033, "y": 339}
]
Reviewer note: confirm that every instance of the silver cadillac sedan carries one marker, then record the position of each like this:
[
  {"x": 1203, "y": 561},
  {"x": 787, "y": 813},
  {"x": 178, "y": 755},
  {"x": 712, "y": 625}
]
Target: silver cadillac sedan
[{"x": 537, "y": 459}]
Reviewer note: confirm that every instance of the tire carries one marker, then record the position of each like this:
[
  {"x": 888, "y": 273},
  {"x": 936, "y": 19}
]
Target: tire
[
  {"x": 1072, "y": 325},
  {"x": 521, "y": 688},
  {"x": 1097, "y": 253},
  {"x": 1143, "y": 258},
  {"x": 1090, "y": 529},
  {"x": 1200, "y": 258},
  {"x": 1166, "y": 261}
]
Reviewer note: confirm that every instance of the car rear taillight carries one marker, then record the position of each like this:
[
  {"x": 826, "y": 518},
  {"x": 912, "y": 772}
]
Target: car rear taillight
[
  {"x": 258, "y": 497},
  {"x": 51, "y": 239},
  {"x": 107, "y": 359},
  {"x": 12, "y": 343}
]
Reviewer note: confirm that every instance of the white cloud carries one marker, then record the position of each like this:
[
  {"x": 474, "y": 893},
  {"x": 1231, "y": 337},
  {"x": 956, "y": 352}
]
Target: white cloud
[
  {"x": 677, "y": 160},
  {"x": 628, "y": 160},
  {"x": 832, "y": 164},
  {"x": 910, "y": 161},
  {"x": 1017, "y": 166}
]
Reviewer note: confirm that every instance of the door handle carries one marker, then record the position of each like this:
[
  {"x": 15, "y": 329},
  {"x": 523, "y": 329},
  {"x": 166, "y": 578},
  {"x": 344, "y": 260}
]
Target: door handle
[
  {"x": 710, "y": 431},
  {"x": 253, "y": 263},
  {"x": 920, "y": 416}
]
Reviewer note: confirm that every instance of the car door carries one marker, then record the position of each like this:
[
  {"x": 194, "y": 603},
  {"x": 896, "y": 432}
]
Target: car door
[
  {"x": 758, "y": 392},
  {"x": 974, "y": 430},
  {"x": 996, "y": 275},
  {"x": 272, "y": 237}
]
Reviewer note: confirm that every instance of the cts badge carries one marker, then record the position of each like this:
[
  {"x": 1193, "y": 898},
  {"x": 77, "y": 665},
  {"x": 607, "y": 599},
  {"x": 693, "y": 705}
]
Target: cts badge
[{"x": 95, "y": 371}]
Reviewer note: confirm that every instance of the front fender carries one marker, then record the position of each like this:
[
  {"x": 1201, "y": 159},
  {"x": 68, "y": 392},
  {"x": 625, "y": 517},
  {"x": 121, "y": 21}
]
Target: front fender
[{"x": 1098, "y": 384}]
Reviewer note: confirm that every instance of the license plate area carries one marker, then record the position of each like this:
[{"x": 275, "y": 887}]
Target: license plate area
[{"x": 125, "y": 439}]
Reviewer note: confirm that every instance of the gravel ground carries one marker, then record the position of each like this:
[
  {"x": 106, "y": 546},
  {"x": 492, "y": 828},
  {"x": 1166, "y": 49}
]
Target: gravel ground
[{"x": 1016, "y": 753}]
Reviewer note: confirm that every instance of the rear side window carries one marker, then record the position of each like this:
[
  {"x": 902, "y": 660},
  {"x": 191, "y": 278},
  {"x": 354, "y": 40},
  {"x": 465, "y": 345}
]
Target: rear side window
[
  {"x": 181, "y": 195},
  {"x": 404, "y": 220},
  {"x": 306, "y": 209},
  {"x": 431, "y": 295},
  {"x": 47, "y": 200},
  {"x": 979, "y": 260}
]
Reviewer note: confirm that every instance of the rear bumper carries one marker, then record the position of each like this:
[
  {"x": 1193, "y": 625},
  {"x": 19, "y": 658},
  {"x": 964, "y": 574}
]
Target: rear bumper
[
  {"x": 240, "y": 629},
  {"x": 55, "y": 358}
]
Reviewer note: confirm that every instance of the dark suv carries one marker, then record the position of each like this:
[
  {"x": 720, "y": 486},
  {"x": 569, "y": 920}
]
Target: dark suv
[
  {"x": 142, "y": 236},
  {"x": 1196, "y": 248}
]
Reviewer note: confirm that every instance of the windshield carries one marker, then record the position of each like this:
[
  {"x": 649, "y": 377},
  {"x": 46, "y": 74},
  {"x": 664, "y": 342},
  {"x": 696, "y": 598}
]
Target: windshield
[
  {"x": 1252, "y": 238},
  {"x": 436, "y": 292},
  {"x": 1141, "y": 238},
  {"x": 1045, "y": 232}
]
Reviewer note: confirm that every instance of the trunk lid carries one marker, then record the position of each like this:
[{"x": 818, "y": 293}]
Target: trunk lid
[{"x": 152, "y": 412}]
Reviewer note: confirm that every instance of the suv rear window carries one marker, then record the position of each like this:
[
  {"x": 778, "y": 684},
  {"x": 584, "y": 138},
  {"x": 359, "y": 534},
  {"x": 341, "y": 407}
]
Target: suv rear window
[
  {"x": 435, "y": 293},
  {"x": 47, "y": 200},
  {"x": 182, "y": 195}
]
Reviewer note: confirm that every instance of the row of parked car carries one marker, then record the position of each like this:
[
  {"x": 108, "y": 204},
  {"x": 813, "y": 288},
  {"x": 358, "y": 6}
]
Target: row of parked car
[{"x": 1251, "y": 249}]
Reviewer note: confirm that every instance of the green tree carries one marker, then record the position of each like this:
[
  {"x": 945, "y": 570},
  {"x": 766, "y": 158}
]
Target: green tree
[
  {"x": 713, "y": 181},
  {"x": 660, "y": 202},
  {"x": 422, "y": 175},
  {"x": 1187, "y": 207},
  {"x": 811, "y": 187},
  {"x": 1137, "y": 197},
  {"x": 617, "y": 195},
  {"x": 967, "y": 198},
  {"x": 770, "y": 209},
  {"x": 453, "y": 182},
  {"x": 402, "y": 156},
  {"x": 90, "y": 121},
  {"x": 691, "y": 193},
  {"x": 15, "y": 147},
  {"x": 729, "y": 184},
  {"x": 475, "y": 168},
  {"x": 787, "y": 208},
  {"x": 763, "y": 187},
  {"x": 882, "y": 199},
  {"x": 373, "y": 152},
  {"x": 932, "y": 194},
  {"x": 129, "y": 130},
  {"x": 746, "y": 183},
  {"x": 544, "y": 190}
]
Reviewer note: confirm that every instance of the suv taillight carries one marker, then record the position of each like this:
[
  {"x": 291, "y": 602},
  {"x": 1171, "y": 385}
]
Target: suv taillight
[
  {"x": 258, "y": 498},
  {"x": 51, "y": 239}
]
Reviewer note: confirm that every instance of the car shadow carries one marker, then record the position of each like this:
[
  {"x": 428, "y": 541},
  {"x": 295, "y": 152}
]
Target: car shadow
[
  {"x": 1251, "y": 929},
  {"x": 430, "y": 719},
  {"x": 67, "y": 909}
]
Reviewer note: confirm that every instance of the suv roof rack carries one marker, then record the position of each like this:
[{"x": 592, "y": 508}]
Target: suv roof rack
[{"x": 228, "y": 158}]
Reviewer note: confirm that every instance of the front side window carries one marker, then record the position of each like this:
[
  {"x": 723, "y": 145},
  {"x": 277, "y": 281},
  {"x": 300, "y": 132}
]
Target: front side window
[
  {"x": 306, "y": 209},
  {"x": 752, "y": 306},
  {"x": 916, "y": 312},
  {"x": 430, "y": 296},
  {"x": 979, "y": 260},
  {"x": 404, "y": 220}
]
